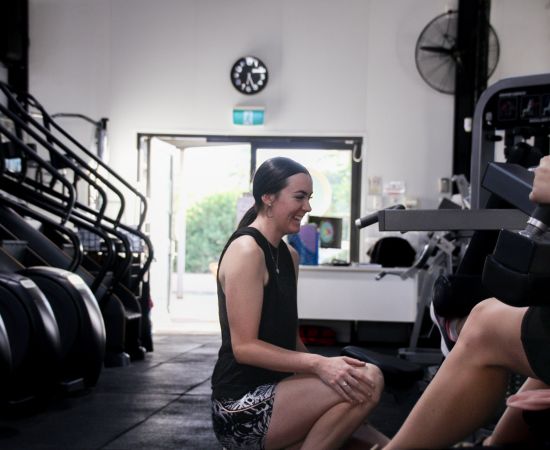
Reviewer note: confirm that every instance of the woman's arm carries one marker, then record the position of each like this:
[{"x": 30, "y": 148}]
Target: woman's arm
[{"x": 243, "y": 275}]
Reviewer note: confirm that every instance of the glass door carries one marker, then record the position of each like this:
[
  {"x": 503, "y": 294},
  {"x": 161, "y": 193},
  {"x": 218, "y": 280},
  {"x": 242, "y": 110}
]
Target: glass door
[{"x": 211, "y": 180}]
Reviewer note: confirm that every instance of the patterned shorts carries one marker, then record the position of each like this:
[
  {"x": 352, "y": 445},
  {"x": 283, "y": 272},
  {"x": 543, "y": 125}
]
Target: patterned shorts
[{"x": 242, "y": 423}]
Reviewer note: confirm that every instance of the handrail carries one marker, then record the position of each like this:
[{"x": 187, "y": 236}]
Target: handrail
[
  {"x": 75, "y": 241},
  {"x": 143, "y": 213},
  {"x": 27, "y": 194},
  {"x": 20, "y": 123},
  {"x": 46, "y": 165}
]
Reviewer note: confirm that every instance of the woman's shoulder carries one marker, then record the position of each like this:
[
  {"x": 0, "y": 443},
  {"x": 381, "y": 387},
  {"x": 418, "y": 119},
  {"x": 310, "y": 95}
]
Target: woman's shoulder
[
  {"x": 245, "y": 245},
  {"x": 243, "y": 256}
]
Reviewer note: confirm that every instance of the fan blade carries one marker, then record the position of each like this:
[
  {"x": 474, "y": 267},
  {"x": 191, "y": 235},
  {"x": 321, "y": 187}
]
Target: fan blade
[{"x": 433, "y": 49}]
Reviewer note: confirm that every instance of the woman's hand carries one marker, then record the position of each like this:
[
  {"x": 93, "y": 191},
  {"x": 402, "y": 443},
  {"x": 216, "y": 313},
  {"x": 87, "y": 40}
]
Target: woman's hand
[
  {"x": 349, "y": 377},
  {"x": 533, "y": 400},
  {"x": 541, "y": 183}
]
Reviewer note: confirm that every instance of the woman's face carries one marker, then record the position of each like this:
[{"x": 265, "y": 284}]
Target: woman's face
[{"x": 292, "y": 202}]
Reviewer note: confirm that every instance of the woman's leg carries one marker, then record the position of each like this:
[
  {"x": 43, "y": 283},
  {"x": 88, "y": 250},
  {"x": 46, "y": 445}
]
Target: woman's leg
[
  {"x": 307, "y": 410},
  {"x": 471, "y": 381}
]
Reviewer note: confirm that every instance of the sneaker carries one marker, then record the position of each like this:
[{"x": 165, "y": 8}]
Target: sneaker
[{"x": 447, "y": 343}]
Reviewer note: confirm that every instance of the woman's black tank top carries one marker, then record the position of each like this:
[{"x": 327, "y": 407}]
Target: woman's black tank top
[{"x": 278, "y": 322}]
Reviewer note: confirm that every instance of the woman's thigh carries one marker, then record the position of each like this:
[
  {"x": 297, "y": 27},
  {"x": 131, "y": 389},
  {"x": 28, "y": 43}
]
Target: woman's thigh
[{"x": 300, "y": 400}]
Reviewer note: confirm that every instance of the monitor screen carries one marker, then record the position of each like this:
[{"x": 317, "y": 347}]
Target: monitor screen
[{"x": 330, "y": 231}]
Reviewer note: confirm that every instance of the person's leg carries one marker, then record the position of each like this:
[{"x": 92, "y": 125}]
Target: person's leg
[
  {"x": 511, "y": 428},
  {"x": 471, "y": 381},
  {"x": 365, "y": 437},
  {"x": 307, "y": 410}
]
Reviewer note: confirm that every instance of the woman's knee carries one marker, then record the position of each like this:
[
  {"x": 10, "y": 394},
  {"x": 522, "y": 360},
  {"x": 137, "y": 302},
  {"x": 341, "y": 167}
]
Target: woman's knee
[
  {"x": 375, "y": 385},
  {"x": 478, "y": 329},
  {"x": 378, "y": 379},
  {"x": 486, "y": 308},
  {"x": 488, "y": 327}
]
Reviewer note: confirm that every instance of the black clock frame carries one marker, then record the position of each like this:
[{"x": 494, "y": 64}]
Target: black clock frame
[{"x": 249, "y": 75}]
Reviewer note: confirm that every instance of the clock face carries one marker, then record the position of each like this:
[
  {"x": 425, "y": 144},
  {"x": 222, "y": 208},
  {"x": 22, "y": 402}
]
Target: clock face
[{"x": 249, "y": 75}]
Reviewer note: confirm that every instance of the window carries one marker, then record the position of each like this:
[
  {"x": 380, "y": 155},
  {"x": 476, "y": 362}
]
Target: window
[
  {"x": 334, "y": 163},
  {"x": 331, "y": 174}
]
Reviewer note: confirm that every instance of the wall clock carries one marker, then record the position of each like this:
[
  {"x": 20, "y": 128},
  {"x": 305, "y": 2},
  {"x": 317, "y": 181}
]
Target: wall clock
[{"x": 249, "y": 75}]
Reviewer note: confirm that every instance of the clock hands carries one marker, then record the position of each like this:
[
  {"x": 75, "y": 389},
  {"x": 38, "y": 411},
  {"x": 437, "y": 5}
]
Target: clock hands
[{"x": 249, "y": 79}]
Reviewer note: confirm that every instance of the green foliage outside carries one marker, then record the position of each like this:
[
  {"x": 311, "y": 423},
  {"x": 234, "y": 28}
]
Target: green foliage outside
[
  {"x": 339, "y": 177},
  {"x": 211, "y": 220},
  {"x": 209, "y": 224}
]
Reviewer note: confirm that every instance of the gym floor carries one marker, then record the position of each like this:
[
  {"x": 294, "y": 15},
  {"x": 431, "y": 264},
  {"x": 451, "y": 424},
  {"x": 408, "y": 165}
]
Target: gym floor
[
  {"x": 159, "y": 403},
  {"x": 162, "y": 402}
]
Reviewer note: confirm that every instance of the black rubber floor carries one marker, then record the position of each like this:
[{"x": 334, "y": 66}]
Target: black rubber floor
[
  {"x": 159, "y": 403},
  {"x": 162, "y": 402}
]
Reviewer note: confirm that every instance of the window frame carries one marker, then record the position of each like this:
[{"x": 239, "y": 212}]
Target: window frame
[{"x": 352, "y": 143}]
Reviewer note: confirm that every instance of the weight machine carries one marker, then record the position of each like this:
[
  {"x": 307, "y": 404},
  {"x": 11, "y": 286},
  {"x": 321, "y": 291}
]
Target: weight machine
[{"x": 516, "y": 112}]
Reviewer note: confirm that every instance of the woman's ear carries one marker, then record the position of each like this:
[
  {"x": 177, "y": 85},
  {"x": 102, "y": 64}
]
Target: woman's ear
[{"x": 268, "y": 199}]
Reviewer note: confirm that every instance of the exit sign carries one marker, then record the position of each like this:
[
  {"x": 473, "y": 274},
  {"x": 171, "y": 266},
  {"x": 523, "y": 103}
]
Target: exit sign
[{"x": 248, "y": 116}]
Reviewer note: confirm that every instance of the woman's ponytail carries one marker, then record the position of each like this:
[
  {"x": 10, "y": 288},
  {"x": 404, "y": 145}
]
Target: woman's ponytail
[{"x": 248, "y": 217}]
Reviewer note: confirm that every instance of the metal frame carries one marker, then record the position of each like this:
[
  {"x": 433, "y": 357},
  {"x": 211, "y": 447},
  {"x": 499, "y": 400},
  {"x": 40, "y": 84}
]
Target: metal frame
[{"x": 482, "y": 148}]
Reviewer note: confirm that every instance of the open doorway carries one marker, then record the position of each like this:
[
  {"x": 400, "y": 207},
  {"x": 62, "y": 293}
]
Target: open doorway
[
  {"x": 192, "y": 213},
  {"x": 197, "y": 184}
]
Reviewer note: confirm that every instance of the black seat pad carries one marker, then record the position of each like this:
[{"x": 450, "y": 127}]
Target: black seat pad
[{"x": 396, "y": 371}]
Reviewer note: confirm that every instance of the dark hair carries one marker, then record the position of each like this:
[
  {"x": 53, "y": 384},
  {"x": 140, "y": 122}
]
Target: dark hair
[{"x": 270, "y": 178}]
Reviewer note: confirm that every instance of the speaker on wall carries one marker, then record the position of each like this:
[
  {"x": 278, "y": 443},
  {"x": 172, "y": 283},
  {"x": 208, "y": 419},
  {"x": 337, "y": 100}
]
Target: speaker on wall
[{"x": 14, "y": 28}]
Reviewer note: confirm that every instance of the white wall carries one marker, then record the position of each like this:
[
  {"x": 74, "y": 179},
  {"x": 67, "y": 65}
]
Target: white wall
[
  {"x": 336, "y": 68},
  {"x": 524, "y": 33},
  {"x": 408, "y": 124}
]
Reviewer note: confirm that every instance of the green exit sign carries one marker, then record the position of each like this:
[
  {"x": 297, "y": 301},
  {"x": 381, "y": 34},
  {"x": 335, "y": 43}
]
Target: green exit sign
[{"x": 248, "y": 116}]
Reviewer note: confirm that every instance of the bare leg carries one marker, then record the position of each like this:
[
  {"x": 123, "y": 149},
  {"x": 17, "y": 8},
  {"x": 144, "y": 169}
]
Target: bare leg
[
  {"x": 366, "y": 437},
  {"x": 471, "y": 381},
  {"x": 306, "y": 409},
  {"x": 511, "y": 428}
]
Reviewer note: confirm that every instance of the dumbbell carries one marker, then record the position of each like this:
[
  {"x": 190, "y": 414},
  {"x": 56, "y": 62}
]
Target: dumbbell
[{"x": 518, "y": 271}]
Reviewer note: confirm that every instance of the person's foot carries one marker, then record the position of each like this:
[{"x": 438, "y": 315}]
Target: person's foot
[{"x": 444, "y": 326}]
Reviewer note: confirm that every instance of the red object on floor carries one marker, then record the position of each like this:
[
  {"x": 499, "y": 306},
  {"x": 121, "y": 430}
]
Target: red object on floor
[{"x": 317, "y": 335}]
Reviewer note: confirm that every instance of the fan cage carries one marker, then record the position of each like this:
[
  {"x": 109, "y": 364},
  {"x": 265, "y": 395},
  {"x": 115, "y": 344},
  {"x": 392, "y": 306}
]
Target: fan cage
[{"x": 436, "y": 54}]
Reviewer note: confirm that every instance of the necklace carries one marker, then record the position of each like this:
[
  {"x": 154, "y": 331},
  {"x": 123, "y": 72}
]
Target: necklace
[{"x": 275, "y": 261}]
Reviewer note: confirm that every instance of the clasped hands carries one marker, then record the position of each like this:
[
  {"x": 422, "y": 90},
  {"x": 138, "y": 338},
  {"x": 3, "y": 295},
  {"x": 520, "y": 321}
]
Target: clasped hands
[{"x": 349, "y": 377}]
